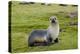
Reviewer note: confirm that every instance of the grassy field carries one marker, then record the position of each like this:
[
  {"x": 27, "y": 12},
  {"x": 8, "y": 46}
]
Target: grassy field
[{"x": 25, "y": 18}]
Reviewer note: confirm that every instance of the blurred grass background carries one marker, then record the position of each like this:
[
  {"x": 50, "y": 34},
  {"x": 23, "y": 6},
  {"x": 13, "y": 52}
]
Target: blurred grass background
[{"x": 28, "y": 17}]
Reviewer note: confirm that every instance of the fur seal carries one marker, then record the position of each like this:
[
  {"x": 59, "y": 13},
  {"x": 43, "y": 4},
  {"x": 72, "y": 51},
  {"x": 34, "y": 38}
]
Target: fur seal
[{"x": 45, "y": 37}]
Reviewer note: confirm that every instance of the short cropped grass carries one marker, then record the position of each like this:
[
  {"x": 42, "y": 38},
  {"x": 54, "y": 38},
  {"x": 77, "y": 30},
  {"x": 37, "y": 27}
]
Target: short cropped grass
[{"x": 28, "y": 17}]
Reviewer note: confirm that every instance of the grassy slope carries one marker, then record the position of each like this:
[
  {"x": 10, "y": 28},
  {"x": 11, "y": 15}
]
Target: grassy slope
[{"x": 26, "y": 18}]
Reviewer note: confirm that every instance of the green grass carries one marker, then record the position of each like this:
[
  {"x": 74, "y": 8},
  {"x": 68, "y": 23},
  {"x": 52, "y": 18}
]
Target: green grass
[{"x": 26, "y": 18}]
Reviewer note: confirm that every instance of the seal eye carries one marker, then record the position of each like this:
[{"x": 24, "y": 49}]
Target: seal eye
[{"x": 54, "y": 18}]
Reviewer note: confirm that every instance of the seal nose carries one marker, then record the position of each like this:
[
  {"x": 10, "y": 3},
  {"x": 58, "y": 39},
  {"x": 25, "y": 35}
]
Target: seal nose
[{"x": 53, "y": 21}]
